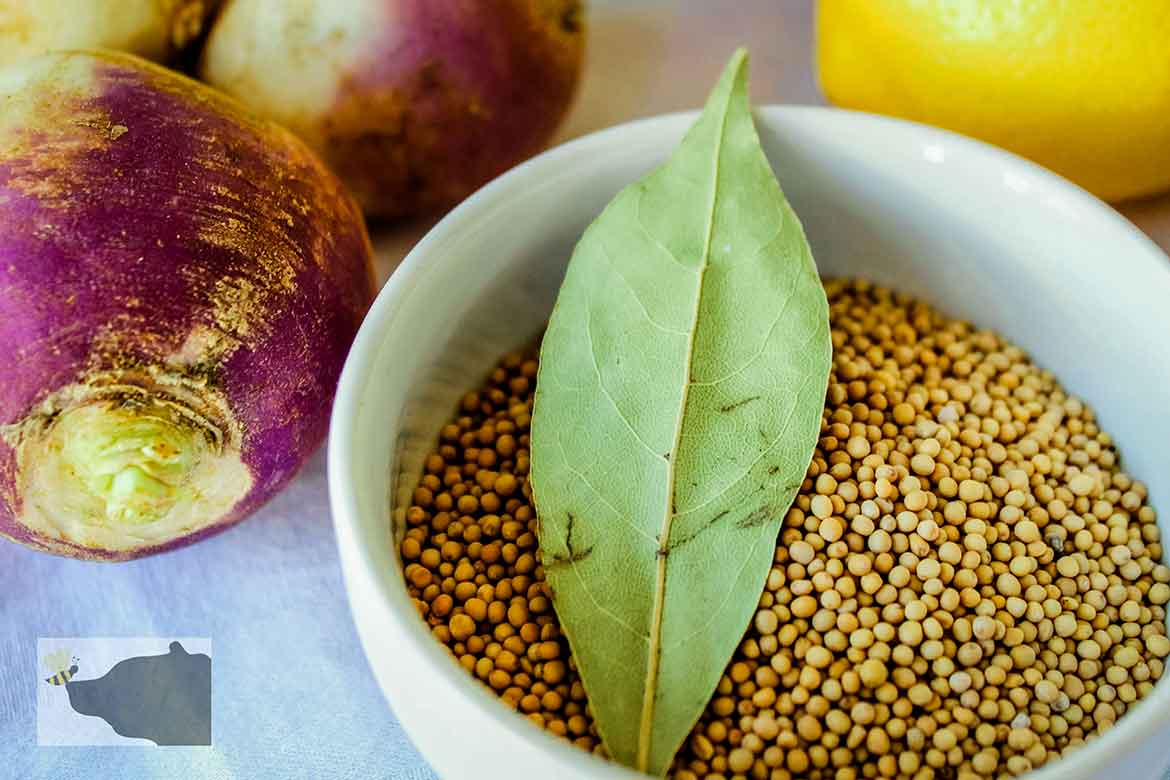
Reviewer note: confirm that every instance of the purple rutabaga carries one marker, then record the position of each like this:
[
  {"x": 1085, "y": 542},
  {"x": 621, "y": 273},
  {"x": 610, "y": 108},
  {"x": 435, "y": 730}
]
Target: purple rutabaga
[
  {"x": 415, "y": 103},
  {"x": 179, "y": 284}
]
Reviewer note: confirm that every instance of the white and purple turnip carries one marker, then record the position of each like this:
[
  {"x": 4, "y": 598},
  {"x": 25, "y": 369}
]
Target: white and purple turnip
[
  {"x": 156, "y": 29},
  {"x": 179, "y": 284},
  {"x": 414, "y": 103}
]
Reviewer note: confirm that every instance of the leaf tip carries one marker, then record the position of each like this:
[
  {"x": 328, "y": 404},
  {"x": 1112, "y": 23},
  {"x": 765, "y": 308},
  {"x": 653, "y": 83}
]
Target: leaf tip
[
  {"x": 733, "y": 80},
  {"x": 737, "y": 66}
]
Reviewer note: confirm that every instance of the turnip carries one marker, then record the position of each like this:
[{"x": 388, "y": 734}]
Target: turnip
[
  {"x": 415, "y": 103},
  {"x": 179, "y": 284},
  {"x": 157, "y": 29}
]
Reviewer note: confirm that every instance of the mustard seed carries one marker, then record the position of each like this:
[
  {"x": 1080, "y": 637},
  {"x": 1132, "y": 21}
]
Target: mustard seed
[
  {"x": 967, "y": 586},
  {"x": 462, "y": 627},
  {"x": 801, "y": 552}
]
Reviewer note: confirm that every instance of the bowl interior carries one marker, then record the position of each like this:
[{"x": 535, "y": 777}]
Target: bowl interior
[{"x": 977, "y": 232}]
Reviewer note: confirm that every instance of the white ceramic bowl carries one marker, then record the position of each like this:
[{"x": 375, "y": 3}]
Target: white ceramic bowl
[{"x": 974, "y": 230}]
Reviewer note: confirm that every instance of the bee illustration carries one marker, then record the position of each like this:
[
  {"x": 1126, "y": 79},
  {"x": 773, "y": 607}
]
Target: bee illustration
[{"x": 55, "y": 662}]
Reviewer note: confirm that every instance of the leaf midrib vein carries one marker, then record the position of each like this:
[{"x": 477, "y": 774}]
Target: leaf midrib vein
[{"x": 654, "y": 649}]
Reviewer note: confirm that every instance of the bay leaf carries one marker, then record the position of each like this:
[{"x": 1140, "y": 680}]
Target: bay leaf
[{"x": 679, "y": 399}]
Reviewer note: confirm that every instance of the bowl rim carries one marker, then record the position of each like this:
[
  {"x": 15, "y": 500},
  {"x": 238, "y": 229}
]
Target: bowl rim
[{"x": 357, "y": 561}]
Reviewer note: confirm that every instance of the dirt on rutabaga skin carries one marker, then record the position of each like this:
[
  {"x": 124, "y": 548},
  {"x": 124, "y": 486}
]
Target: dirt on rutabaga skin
[{"x": 967, "y": 586}]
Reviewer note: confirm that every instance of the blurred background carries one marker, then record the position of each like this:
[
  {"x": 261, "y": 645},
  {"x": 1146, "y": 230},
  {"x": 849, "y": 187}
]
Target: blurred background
[{"x": 646, "y": 57}]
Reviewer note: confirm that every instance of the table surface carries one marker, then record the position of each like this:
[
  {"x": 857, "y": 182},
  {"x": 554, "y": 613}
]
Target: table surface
[{"x": 292, "y": 694}]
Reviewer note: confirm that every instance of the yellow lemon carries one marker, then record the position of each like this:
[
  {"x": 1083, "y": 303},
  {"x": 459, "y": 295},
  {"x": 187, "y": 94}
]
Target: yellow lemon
[{"x": 1081, "y": 86}]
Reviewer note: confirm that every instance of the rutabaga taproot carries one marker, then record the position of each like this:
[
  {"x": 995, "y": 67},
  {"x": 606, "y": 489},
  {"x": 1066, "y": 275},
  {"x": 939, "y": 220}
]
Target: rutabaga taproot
[
  {"x": 179, "y": 284},
  {"x": 679, "y": 399}
]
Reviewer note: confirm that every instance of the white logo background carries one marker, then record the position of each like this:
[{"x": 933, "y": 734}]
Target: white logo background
[{"x": 57, "y": 722}]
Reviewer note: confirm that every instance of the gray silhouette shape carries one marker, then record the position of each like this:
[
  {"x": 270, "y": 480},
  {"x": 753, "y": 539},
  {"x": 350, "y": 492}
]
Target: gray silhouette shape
[{"x": 163, "y": 698}]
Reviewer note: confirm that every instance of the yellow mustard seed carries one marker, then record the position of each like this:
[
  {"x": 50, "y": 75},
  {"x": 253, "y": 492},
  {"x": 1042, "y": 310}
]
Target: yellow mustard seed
[{"x": 967, "y": 586}]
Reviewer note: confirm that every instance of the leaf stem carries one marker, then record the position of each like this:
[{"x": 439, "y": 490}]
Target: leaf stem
[{"x": 646, "y": 722}]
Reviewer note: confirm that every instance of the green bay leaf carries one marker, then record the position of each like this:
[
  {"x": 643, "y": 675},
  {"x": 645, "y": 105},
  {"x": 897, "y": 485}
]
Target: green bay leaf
[{"x": 679, "y": 398}]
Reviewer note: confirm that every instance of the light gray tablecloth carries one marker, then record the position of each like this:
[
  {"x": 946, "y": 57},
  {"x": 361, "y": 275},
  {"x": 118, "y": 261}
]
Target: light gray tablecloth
[{"x": 293, "y": 696}]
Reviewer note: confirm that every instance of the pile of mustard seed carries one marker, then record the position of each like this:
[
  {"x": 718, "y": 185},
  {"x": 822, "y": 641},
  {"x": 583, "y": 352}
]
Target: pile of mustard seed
[{"x": 966, "y": 587}]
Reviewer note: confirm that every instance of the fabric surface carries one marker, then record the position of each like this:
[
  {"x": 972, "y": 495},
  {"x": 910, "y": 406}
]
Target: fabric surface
[{"x": 292, "y": 694}]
